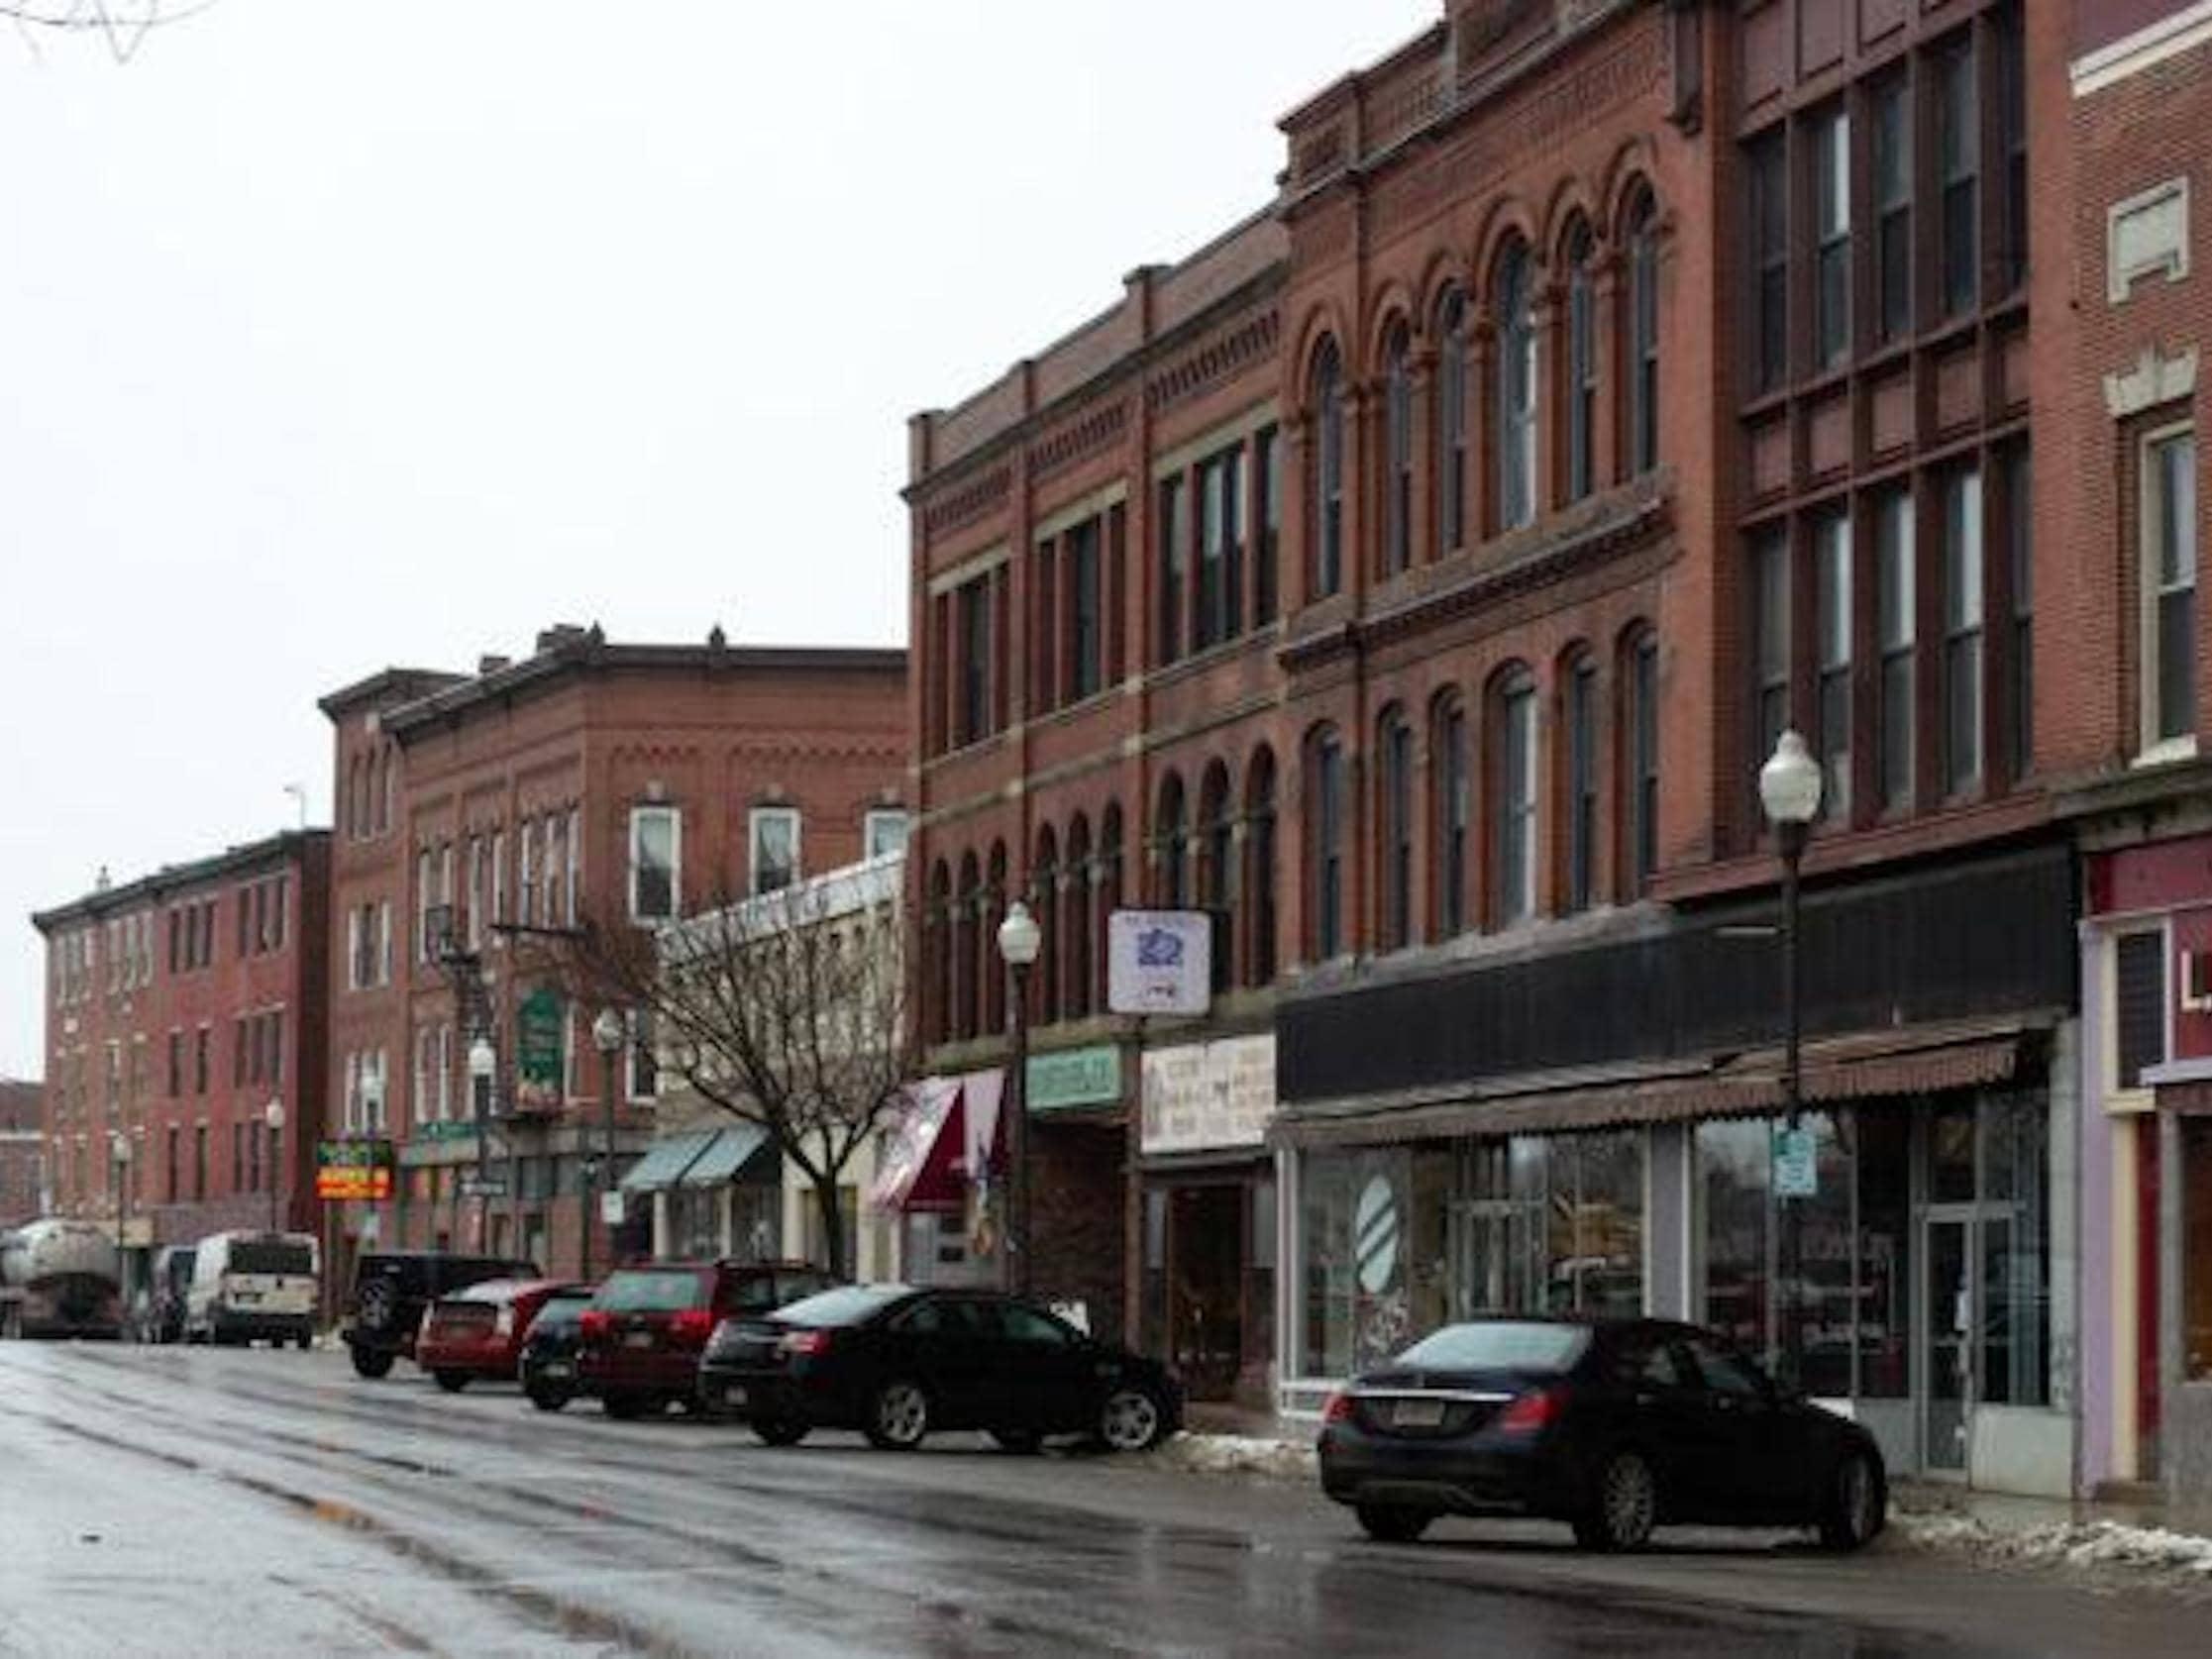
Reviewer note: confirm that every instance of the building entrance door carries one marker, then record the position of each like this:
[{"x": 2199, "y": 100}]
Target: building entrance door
[
  {"x": 1205, "y": 1288},
  {"x": 1949, "y": 1321}
]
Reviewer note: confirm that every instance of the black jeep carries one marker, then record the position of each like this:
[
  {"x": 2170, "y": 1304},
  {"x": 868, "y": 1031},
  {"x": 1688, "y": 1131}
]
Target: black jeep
[{"x": 391, "y": 1287}]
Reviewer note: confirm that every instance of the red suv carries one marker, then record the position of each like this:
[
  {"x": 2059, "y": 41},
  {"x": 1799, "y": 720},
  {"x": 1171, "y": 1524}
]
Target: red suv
[
  {"x": 478, "y": 1333},
  {"x": 639, "y": 1342}
]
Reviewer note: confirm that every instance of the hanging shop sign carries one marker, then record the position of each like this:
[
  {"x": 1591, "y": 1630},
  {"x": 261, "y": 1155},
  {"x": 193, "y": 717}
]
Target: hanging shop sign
[
  {"x": 357, "y": 1171},
  {"x": 1159, "y": 962},
  {"x": 1073, "y": 1077},
  {"x": 1206, "y": 1097},
  {"x": 541, "y": 1027},
  {"x": 1797, "y": 1167}
]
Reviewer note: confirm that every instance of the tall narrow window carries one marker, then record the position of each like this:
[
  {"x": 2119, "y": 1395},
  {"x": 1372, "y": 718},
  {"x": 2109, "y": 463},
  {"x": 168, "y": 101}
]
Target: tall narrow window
[
  {"x": 2020, "y": 562},
  {"x": 1515, "y": 799},
  {"x": 1959, "y": 159},
  {"x": 656, "y": 853},
  {"x": 1326, "y": 808},
  {"x": 1328, "y": 529},
  {"x": 1394, "y": 799},
  {"x": 1771, "y": 644},
  {"x": 1218, "y": 883},
  {"x": 974, "y": 603},
  {"x": 1087, "y": 636},
  {"x": 1641, "y": 791},
  {"x": 1582, "y": 783},
  {"x": 1397, "y": 453},
  {"x": 425, "y": 899},
  {"x": 1452, "y": 775},
  {"x": 1451, "y": 422},
  {"x": 1075, "y": 924},
  {"x": 1831, "y": 230},
  {"x": 775, "y": 848},
  {"x": 2010, "y": 73},
  {"x": 1517, "y": 389},
  {"x": 1963, "y": 612},
  {"x": 1831, "y": 547},
  {"x": 1643, "y": 334},
  {"x": 1770, "y": 262},
  {"x": 526, "y": 870},
  {"x": 1581, "y": 401},
  {"x": 1259, "y": 841},
  {"x": 1221, "y": 554},
  {"x": 2169, "y": 559},
  {"x": 1172, "y": 567},
  {"x": 1898, "y": 635},
  {"x": 1267, "y": 480},
  {"x": 1044, "y": 893},
  {"x": 1891, "y": 101},
  {"x": 1172, "y": 842},
  {"x": 476, "y": 896}
]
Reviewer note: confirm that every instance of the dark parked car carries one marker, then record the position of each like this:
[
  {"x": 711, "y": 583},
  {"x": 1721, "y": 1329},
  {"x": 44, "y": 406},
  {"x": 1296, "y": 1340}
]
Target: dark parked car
[
  {"x": 898, "y": 1363},
  {"x": 391, "y": 1289},
  {"x": 172, "y": 1279},
  {"x": 477, "y": 1334},
  {"x": 642, "y": 1335},
  {"x": 546, "y": 1369},
  {"x": 1615, "y": 1426}
]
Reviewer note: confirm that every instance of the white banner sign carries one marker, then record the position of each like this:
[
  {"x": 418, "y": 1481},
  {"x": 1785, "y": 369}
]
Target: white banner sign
[
  {"x": 1209, "y": 1095},
  {"x": 1159, "y": 962}
]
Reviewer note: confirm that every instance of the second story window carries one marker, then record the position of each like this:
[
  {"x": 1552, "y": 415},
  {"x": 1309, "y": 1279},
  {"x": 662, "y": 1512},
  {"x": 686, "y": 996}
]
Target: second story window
[
  {"x": 1581, "y": 782},
  {"x": 1963, "y": 634},
  {"x": 1327, "y": 532},
  {"x": 1768, "y": 170},
  {"x": 1220, "y": 545},
  {"x": 1451, "y": 786},
  {"x": 1831, "y": 547},
  {"x": 1772, "y": 636},
  {"x": 1897, "y": 635},
  {"x": 2169, "y": 624},
  {"x": 882, "y": 832},
  {"x": 775, "y": 862},
  {"x": 1515, "y": 799},
  {"x": 1640, "y": 729},
  {"x": 1517, "y": 389},
  {"x": 1398, "y": 453},
  {"x": 1174, "y": 571},
  {"x": 1395, "y": 812},
  {"x": 973, "y": 709},
  {"x": 1267, "y": 522},
  {"x": 1086, "y": 669},
  {"x": 656, "y": 867},
  {"x": 1324, "y": 781},
  {"x": 1831, "y": 230}
]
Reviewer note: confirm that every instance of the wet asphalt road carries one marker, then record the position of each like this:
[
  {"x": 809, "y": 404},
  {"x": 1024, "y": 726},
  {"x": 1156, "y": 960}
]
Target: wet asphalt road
[{"x": 172, "y": 1503}]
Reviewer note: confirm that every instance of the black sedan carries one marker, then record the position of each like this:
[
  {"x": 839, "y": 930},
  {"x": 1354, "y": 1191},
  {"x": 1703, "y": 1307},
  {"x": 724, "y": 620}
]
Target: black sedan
[
  {"x": 899, "y": 1364},
  {"x": 1615, "y": 1426},
  {"x": 547, "y": 1366}
]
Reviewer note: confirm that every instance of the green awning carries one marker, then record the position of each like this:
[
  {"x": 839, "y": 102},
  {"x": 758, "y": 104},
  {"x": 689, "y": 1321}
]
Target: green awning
[
  {"x": 667, "y": 1159},
  {"x": 730, "y": 1151}
]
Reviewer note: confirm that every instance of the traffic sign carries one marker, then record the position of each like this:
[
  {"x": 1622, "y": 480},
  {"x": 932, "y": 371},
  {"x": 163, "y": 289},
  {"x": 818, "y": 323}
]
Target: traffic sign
[{"x": 484, "y": 1185}]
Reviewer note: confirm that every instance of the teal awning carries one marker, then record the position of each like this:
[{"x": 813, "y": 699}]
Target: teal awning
[
  {"x": 666, "y": 1161},
  {"x": 730, "y": 1151}
]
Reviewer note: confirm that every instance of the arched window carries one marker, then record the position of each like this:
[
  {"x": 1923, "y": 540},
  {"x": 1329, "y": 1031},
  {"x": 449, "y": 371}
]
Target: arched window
[
  {"x": 991, "y": 968},
  {"x": 1106, "y": 896},
  {"x": 1451, "y": 422},
  {"x": 967, "y": 908},
  {"x": 1398, "y": 450},
  {"x": 1513, "y": 797},
  {"x": 1578, "y": 778},
  {"x": 1325, "y": 841},
  {"x": 936, "y": 955},
  {"x": 1259, "y": 855},
  {"x": 1640, "y": 759},
  {"x": 383, "y": 790},
  {"x": 1074, "y": 925},
  {"x": 1217, "y": 830},
  {"x": 1044, "y": 905},
  {"x": 1394, "y": 822},
  {"x": 1327, "y": 533},
  {"x": 1170, "y": 842},
  {"x": 1451, "y": 790},
  {"x": 1516, "y": 387},
  {"x": 1581, "y": 400},
  {"x": 1644, "y": 332}
]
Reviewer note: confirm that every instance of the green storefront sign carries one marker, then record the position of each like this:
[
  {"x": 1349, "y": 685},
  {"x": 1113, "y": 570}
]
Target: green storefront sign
[
  {"x": 540, "y": 1031},
  {"x": 1074, "y": 1078}
]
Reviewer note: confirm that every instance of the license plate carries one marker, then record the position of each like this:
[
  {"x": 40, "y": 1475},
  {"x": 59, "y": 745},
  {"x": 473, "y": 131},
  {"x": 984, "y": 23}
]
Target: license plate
[
  {"x": 558, "y": 1368},
  {"x": 1418, "y": 1413},
  {"x": 733, "y": 1395},
  {"x": 638, "y": 1339}
]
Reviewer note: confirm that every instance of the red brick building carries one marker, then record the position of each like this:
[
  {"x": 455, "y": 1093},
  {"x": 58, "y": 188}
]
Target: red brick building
[
  {"x": 22, "y": 1152},
  {"x": 594, "y": 782},
  {"x": 1418, "y": 578},
  {"x": 185, "y": 1044}
]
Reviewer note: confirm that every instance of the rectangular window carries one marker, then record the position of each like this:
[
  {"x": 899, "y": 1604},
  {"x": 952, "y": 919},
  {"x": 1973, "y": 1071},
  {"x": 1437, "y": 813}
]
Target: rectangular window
[
  {"x": 2138, "y": 1003},
  {"x": 1832, "y": 543},
  {"x": 644, "y": 1080},
  {"x": 882, "y": 832},
  {"x": 1643, "y": 761},
  {"x": 1832, "y": 229},
  {"x": 383, "y": 942},
  {"x": 656, "y": 862},
  {"x": 202, "y": 1039},
  {"x": 475, "y": 893},
  {"x": 172, "y": 1161},
  {"x": 425, "y": 898},
  {"x": 572, "y": 876},
  {"x": 775, "y": 862},
  {"x": 1897, "y": 601},
  {"x": 2169, "y": 559},
  {"x": 199, "y": 1161},
  {"x": 1582, "y": 785},
  {"x": 1582, "y": 381},
  {"x": 1397, "y": 835},
  {"x": 1454, "y": 810},
  {"x": 1770, "y": 262},
  {"x": 499, "y": 881},
  {"x": 2020, "y": 562},
  {"x": 1959, "y": 160},
  {"x": 1085, "y": 613},
  {"x": 1516, "y": 806},
  {"x": 176, "y": 1064},
  {"x": 1771, "y": 576},
  {"x": 1172, "y": 571},
  {"x": 1267, "y": 480},
  {"x": 974, "y": 602},
  {"x": 1221, "y": 554},
  {"x": 1328, "y": 821},
  {"x": 1963, "y": 614},
  {"x": 526, "y": 871},
  {"x": 2010, "y": 75}
]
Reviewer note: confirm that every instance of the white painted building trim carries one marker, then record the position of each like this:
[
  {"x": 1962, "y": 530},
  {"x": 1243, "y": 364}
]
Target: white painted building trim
[{"x": 2184, "y": 30}]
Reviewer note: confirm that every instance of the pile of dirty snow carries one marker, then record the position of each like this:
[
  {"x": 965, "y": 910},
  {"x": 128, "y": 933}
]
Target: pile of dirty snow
[
  {"x": 1239, "y": 1454},
  {"x": 2089, "y": 1544}
]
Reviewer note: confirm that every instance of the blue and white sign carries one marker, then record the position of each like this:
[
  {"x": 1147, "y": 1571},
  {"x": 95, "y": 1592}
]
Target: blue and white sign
[
  {"x": 1159, "y": 962},
  {"x": 1797, "y": 1165}
]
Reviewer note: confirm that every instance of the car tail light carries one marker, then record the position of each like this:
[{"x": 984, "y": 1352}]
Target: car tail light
[
  {"x": 595, "y": 1325},
  {"x": 693, "y": 1325},
  {"x": 808, "y": 1342},
  {"x": 1530, "y": 1413},
  {"x": 1338, "y": 1410},
  {"x": 502, "y": 1323}
]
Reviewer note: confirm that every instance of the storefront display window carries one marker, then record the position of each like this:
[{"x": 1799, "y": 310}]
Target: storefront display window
[
  {"x": 1551, "y": 1225},
  {"x": 1354, "y": 1301},
  {"x": 1745, "y": 1296},
  {"x": 1882, "y": 1142},
  {"x": 2016, "y": 1266}
]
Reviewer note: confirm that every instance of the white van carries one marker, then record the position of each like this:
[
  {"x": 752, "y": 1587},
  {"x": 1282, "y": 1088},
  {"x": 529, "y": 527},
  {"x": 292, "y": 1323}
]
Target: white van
[{"x": 248, "y": 1286}]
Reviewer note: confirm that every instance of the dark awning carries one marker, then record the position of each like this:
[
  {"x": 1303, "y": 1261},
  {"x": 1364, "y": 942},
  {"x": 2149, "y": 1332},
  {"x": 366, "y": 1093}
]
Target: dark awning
[
  {"x": 727, "y": 1153},
  {"x": 665, "y": 1161}
]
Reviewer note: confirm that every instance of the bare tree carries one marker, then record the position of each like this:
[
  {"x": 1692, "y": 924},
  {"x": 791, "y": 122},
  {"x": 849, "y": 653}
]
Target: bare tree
[
  {"x": 787, "y": 1012},
  {"x": 122, "y": 25}
]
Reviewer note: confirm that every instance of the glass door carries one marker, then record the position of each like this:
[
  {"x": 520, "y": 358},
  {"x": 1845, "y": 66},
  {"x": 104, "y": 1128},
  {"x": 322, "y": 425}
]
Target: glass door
[{"x": 1949, "y": 1324}]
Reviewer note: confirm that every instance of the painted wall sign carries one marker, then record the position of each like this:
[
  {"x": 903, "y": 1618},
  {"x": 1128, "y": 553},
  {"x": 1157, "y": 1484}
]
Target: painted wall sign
[
  {"x": 1090, "y": 1076},
  {"x": 1201, "y": 1097}
]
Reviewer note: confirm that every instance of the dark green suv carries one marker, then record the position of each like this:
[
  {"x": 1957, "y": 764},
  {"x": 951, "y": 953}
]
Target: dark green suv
[{"x": 391, "y": 1287}]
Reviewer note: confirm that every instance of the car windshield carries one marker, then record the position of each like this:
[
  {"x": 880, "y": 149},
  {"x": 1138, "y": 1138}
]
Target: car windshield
[
  {"x": 491, "y": 1290},
  {"x": 645, "y": 1290},
  {"x": 561, "y": 1311},
  {"x": 848, "y": 1304},
  {"x": 1498, "y": 1345},
  {"x": 272, "y": 1256}
]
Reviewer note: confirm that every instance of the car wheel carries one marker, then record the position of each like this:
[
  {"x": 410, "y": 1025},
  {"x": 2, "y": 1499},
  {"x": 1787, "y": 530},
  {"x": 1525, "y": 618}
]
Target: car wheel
[
  {"x": 548, "y": 1400},
  {"x": 1857, "y": 1504},
  {"x": 453, "y": 1381},
  {"x": 1020, "y": 1441},
  {"x": 622, "y": 1408},
  {"x": 372, "y": 1363},
  {"x": 1132, "y": 1419},
  {"x": 898, "y": 1415},
  {"x": 778, "y": 1431},
  {"x": 1393, "y": 1526},
  {"x": 1623, "y": 1506},
  {"x": 305, "y": 1340}
]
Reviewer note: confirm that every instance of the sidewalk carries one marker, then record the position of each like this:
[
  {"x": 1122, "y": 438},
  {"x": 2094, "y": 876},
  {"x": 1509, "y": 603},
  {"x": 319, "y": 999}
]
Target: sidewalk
[{"x": 2137, "y": 1533}]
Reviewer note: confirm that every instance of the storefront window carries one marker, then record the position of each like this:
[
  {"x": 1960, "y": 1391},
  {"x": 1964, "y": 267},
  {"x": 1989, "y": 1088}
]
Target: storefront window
[
  {"x": 1882, "y": 1138},
  {"x": 1732, "y": 1166},
  {"x": 2015, "y": 1266},
  {"x": 2196, "y": 1248},
  {"x": 1354, "y": 1298},
  {"x": 1551, "y": 1225},
  {"x": 1745, "y": 1294}
]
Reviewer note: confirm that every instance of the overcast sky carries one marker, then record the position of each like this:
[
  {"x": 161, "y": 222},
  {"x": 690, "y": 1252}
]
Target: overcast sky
[{"x": 338, "y": 334}]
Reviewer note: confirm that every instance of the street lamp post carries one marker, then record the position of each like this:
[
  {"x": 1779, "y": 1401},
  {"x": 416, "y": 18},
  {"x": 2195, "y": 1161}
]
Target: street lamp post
[
  {"x": 272, "y": 1114},
  {"x": 1019, "y": 938},
  {"x": 1790, "y": 793},
  {"x": 484, "y": 1064},
  {"x": 607, "y": 1033},
  {"x": 118, "y": 1151}
]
